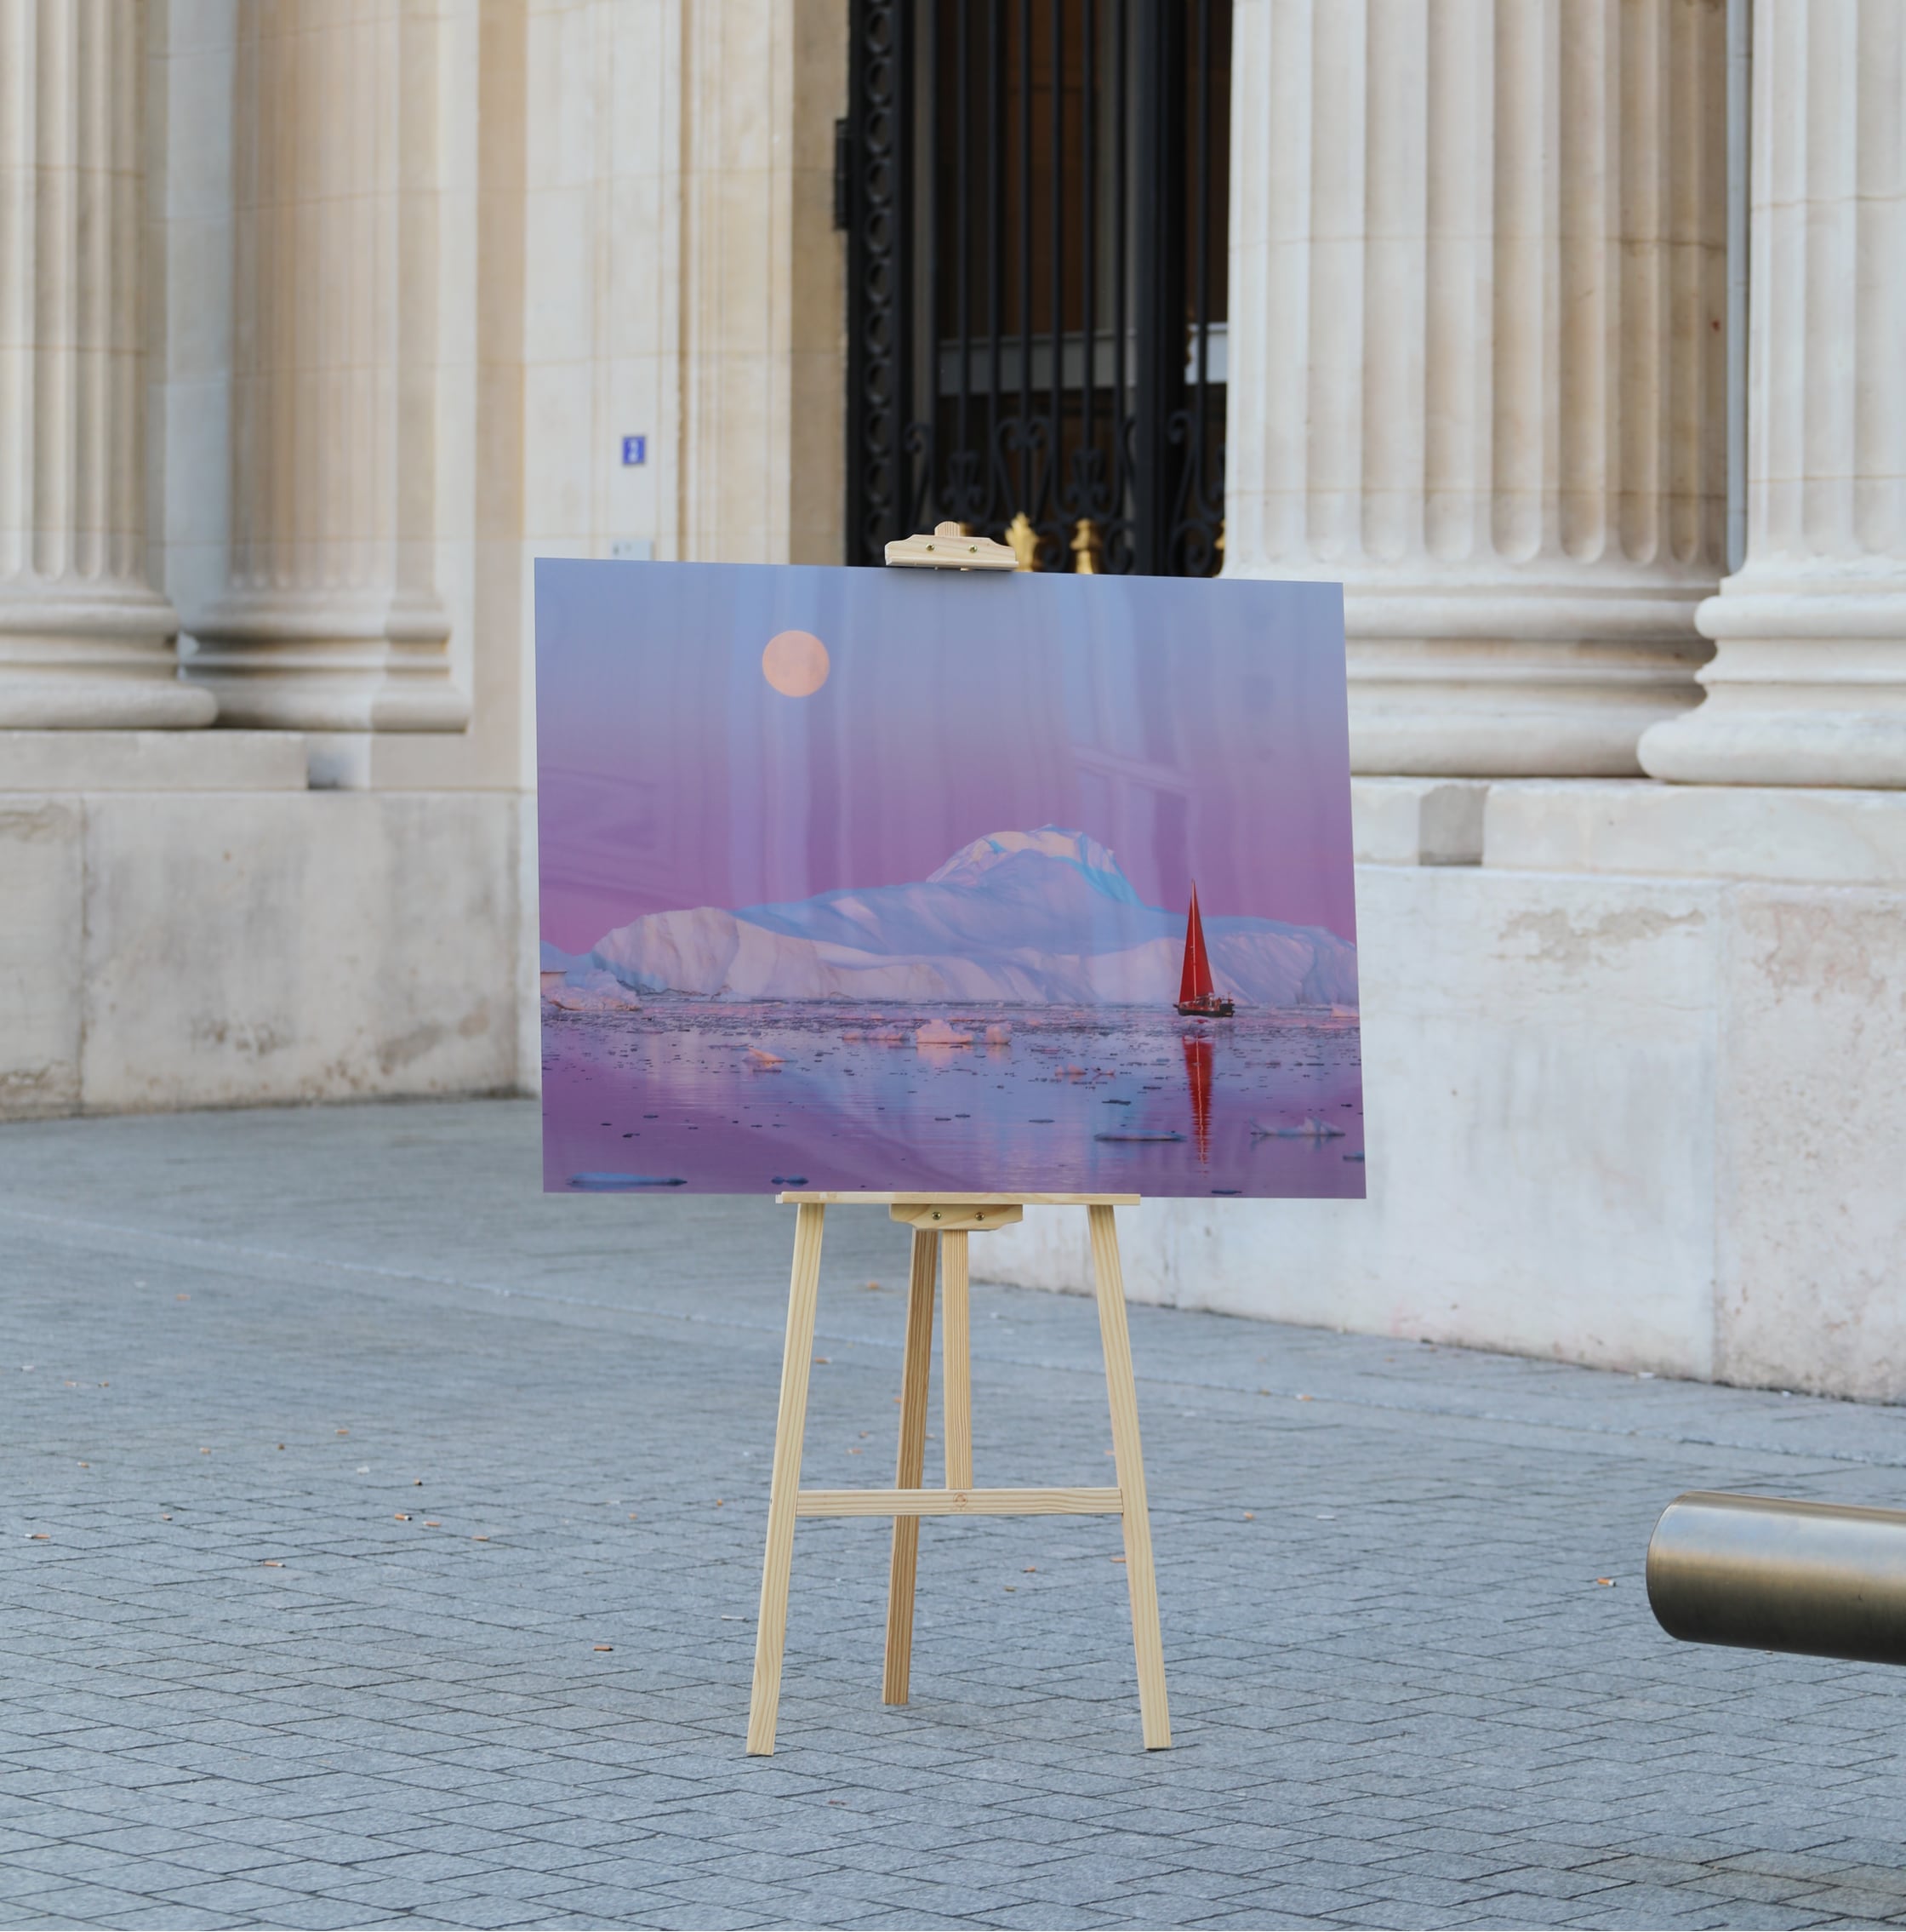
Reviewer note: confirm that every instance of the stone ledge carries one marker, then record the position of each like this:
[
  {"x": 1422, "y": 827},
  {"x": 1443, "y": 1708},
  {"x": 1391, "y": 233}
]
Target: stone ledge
[
  {"x": 1418, "y": 821},
  {"x": 1715, "y": 831},
  {"x": 201, "y": 948},
  {"x": 51, "y": 762}
]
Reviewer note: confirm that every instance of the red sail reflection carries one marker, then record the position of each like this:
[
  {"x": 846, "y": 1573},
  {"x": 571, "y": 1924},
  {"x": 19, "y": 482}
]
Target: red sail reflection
[{"x": 1198, "y": 1056}]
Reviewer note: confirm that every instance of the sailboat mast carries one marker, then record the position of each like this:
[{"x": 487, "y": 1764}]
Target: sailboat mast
[{"x": 1187, "y": 982}]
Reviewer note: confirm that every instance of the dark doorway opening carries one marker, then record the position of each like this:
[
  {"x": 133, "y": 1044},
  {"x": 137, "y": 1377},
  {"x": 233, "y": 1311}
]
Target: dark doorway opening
[{"x": 1036, "y": 194}]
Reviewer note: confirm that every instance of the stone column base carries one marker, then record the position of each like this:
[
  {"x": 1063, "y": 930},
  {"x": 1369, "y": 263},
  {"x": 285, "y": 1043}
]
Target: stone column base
[
  {"x": 1804, "y": 690},
  {"x": 324, "y": 662},
  {"x": 1560, "y": 681},
  {"x": 98, "y": 660}
]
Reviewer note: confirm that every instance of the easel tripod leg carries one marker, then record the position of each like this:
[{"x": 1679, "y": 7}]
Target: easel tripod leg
[
  {"x": 797, "y": 1354},
  {"x": 1121, "y": 1392},
  {"x": 911, "y": 1465}
]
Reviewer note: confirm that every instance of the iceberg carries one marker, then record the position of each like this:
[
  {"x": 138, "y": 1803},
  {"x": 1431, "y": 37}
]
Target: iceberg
[{"x": 1039, "y": 917}]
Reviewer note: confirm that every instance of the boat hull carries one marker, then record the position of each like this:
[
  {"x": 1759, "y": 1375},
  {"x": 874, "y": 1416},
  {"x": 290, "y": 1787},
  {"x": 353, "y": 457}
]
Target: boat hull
[{"x": 1207, "y": 1008}]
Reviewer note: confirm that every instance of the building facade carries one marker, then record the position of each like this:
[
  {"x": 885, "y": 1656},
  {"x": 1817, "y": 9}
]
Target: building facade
[{"x": 1566, "y": 333}]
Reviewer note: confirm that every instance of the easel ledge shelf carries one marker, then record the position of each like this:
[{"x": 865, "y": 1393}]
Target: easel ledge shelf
[{"x": 792, "y": 1200}]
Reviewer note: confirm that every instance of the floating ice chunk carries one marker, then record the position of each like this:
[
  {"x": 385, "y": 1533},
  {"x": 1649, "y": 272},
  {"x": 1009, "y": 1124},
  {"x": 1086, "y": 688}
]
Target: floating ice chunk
[
  {"x": 589, "y": 989},
  {"x": 760, "y": 1057},
  {"x": 937, "y": 1033},
  {"x": 999, "y": 1035},
  {"x": 1310, "y": 1129}
]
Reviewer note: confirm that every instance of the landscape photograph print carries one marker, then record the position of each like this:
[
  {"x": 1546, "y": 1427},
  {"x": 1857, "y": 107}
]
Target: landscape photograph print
[{"x": 869, "y": 880}]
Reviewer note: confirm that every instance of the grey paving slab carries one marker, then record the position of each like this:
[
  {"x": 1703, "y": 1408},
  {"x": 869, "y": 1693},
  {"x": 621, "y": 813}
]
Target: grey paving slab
[{"x": 382, "y": 1543}]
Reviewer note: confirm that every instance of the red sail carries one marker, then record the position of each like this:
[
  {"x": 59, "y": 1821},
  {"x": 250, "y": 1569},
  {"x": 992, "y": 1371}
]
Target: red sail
[{"x": 1195, "y": 984}]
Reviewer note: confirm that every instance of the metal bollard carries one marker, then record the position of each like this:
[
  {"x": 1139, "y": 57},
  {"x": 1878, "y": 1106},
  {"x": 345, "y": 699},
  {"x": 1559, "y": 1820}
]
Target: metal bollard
[{"x": 1819, "y": 1579}]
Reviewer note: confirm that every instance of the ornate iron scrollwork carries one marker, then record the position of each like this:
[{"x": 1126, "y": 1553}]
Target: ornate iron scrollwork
[{"x": 1036, "y": 207}]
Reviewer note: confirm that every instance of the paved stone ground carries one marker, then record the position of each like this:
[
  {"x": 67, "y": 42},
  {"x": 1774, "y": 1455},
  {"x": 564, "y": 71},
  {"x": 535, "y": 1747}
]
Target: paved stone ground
[{"x": 336, "y": 1455}]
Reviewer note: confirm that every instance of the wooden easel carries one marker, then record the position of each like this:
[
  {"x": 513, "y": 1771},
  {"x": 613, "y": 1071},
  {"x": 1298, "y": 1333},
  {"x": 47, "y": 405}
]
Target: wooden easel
[{"x": 941, "y": 1224}]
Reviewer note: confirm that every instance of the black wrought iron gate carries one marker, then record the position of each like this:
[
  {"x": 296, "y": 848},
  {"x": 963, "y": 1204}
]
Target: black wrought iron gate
[{"x": 1035, "y": 193}]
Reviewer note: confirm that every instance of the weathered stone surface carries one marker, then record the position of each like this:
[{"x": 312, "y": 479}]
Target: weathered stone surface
[
  {"x": 1811, "y": 1149},
  {"x": 1649, "y": 1122},
  {"x": 315, "y": 946},
  {"x": 41, "y": 871},
  {"x": 1539, "y": 1087},
  {"x": 180, "y": 949}
]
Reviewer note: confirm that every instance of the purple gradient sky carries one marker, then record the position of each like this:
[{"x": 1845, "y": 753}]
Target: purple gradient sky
[{"x": 1196, "y": 727}]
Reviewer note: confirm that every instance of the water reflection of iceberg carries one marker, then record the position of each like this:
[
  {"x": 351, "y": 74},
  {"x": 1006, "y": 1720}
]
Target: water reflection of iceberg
[
  {"x": 1310, "y": 1128},
  {"x": 1044, "y": 918}
]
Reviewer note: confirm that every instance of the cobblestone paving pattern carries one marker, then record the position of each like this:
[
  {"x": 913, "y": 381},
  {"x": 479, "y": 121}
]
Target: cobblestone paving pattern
[{"x": 381, "y": 1544}]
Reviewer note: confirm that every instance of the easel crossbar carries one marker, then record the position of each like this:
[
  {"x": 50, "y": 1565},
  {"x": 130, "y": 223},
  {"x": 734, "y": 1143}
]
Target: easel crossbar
[
  {"x": 808, "y": 1198},
  {"x": 960, "y": 1502}
]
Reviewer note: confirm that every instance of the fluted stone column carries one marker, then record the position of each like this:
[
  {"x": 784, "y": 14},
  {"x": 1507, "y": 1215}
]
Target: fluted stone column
[
  {"x": 1808, "y": 685},
  {"x": 85, "y": 641},
  {"x": 1478, "y": 278},
  {"x": 331, "y": 622}
]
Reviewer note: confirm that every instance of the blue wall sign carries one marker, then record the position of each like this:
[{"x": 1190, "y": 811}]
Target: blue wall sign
[{"x": 635, "y": 450}]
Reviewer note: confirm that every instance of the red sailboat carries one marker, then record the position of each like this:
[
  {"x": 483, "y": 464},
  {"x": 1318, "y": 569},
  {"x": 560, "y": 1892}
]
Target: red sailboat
[{"x": 1196, "y": 998}]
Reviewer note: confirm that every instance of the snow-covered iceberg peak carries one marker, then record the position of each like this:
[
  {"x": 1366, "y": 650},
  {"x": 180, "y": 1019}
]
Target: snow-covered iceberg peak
[{"x": 971, "y": 863}]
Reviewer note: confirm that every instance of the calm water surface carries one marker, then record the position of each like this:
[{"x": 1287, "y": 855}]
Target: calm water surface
[{"x": 744, "y": 1100}]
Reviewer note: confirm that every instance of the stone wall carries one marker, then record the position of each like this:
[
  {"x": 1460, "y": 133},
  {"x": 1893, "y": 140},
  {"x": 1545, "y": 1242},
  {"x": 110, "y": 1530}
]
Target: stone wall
[{"x": 188, "y": 925}]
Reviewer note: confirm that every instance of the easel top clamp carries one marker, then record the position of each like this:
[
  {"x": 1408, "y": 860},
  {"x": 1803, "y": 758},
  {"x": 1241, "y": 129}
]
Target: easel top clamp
[
  {"x": 941, "y": 1224},
  {"x": 950, "y": 548}
]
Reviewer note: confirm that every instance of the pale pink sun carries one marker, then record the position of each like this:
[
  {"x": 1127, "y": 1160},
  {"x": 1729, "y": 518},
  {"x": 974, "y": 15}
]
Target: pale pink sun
[{"x": 794, "y": 663}]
